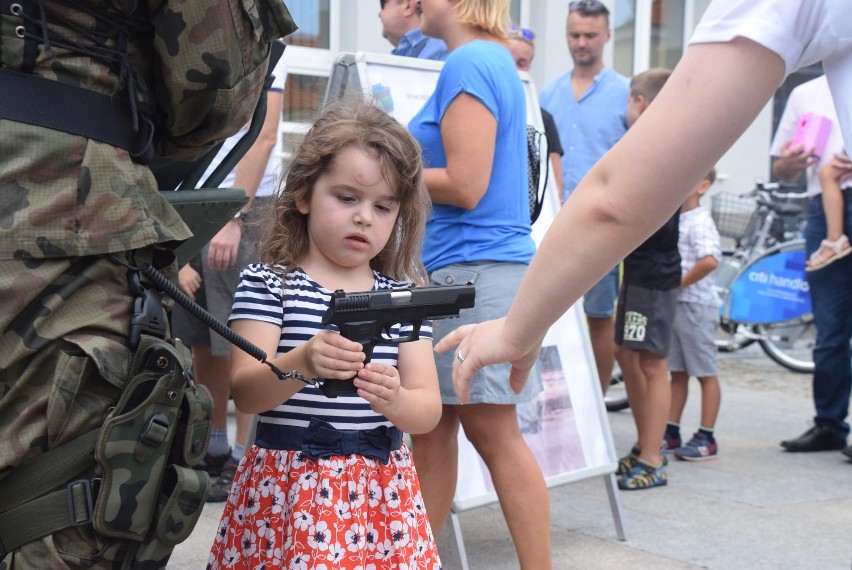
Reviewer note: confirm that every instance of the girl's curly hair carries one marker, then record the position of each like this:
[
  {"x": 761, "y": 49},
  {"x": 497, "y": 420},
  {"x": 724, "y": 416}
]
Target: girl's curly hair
[{"x": 363, "y": 125}]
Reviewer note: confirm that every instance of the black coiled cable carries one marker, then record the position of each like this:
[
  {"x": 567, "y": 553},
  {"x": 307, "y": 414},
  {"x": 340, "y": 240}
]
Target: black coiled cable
[{"x": 217, "y": 326}]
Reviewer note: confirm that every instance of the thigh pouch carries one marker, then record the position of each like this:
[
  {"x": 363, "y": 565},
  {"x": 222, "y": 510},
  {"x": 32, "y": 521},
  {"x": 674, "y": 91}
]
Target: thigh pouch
[{"x": 141, "y": 486}]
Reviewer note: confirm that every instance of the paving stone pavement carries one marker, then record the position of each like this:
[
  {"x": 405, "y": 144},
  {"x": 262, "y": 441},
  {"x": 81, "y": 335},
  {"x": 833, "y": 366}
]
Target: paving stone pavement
[{"x": 754, "y": 507}]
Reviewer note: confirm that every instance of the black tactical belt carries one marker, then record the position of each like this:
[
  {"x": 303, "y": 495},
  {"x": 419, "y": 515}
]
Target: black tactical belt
[{"x": 30, "y": 99}]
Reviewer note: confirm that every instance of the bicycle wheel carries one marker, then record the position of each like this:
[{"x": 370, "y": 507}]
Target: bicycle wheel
[
  {"x": 616, "y": 395},
  {"x": 790, "y": 343}
]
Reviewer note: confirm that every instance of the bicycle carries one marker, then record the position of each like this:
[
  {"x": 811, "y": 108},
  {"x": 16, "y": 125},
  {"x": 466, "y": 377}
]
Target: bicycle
[{"x": 761, "y": 281}]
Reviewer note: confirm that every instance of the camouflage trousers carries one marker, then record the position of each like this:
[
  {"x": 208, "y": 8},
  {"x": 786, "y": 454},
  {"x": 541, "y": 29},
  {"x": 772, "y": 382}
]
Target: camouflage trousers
[{"x": 63, "y": 361}]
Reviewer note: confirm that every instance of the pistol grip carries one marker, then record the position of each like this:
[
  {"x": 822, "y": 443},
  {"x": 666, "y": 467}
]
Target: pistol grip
[{"x": 334, "y": 388}]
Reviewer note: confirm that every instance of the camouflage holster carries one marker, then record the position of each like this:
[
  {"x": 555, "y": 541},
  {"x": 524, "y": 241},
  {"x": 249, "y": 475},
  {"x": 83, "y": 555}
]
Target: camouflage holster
[
  {"x": 139, "y": 486},
  {"x": 159, "y": 429}
]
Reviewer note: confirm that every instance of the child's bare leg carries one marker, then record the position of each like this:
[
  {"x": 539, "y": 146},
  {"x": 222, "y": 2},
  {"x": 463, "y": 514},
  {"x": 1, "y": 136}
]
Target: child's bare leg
[
  {"x": 832, "y": 205},
  {"x": 680, "y": 391},
  {"x": 601, "y": 333},
  {"x": 711, "y": 397},
  {"x": 656, "y": 406},
  {"x": 634, "y": 384}
]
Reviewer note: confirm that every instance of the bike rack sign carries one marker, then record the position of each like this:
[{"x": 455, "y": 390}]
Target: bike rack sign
[{"x": 775, "y": 288}]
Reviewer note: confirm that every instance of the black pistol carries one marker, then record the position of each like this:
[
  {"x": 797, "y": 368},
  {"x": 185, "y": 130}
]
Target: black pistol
[{"x": 367, "y": 318}]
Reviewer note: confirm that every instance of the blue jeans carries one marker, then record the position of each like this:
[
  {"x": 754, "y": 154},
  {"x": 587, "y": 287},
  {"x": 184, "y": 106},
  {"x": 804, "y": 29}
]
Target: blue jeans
[
  {"x": 831, "y": 296},
  {"x": 599, "y": 301}
]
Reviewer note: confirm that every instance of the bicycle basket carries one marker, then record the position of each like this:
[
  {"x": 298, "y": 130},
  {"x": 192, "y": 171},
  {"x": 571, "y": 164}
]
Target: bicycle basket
[{"x": 732, "y": 214}]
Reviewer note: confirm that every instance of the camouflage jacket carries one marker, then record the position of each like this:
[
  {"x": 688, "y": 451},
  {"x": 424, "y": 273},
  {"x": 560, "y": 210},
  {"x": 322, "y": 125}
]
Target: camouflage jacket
[{"x": 195, "y": 67}]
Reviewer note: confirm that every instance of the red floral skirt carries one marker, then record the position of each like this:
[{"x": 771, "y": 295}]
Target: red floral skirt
[{"x": 286, "y": 510}]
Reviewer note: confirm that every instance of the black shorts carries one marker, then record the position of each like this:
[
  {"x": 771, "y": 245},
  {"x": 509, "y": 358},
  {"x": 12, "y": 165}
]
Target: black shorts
[{"x": 644, "y": 318}]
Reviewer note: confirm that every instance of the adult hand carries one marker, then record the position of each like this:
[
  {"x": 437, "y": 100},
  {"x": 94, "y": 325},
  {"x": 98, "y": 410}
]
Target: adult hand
[
  {"x": 189, "y": 281},
  {"x": 223, "y": 249},
  {"x": 843, "y": 163},
  {"x": 838, "y": 168},
  {"x": 483, "y": 344},
  {"x": 793, "y": 161}
]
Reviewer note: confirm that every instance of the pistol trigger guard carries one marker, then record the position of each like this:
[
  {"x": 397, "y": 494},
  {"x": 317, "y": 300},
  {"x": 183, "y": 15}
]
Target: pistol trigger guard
[
  {"x": 325, "y": 389},
  {"x": 415, "y": 330}
]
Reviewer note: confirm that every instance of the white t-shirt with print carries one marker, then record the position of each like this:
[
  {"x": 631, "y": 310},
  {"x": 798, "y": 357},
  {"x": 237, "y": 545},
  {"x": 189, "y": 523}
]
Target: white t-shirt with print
[{"x": 802, "y": 32}]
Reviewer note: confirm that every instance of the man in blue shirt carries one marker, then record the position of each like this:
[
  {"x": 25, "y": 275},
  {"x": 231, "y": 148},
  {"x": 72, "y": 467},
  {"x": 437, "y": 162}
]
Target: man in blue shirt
[
  {"x": 588, "y": 104},
  {"x": 401, "y": 27}
]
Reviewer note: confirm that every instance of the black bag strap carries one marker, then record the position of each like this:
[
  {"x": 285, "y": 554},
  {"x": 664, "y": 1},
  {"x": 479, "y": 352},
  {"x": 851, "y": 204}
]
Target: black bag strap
[{"x": 27, "y": 98}]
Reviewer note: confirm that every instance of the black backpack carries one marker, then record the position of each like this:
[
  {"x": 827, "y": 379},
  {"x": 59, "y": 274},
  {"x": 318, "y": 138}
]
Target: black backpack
[{"x": 535, "y": 168}]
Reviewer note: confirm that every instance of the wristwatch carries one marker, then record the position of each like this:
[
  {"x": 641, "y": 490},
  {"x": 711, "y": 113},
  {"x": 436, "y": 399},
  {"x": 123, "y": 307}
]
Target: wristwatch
[{"x": 238, "y": 217}]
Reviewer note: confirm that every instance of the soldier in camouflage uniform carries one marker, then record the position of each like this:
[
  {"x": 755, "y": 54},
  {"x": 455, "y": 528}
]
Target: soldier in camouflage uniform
[{"x": 192, "y": 69}]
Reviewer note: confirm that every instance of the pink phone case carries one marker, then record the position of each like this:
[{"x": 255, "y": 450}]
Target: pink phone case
[{"x": 812, "y": 133}]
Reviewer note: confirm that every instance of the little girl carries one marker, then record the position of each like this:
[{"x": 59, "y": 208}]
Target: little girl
[
  {"x": 836, "y": 243},
  {"x": 329, "y": 483}
]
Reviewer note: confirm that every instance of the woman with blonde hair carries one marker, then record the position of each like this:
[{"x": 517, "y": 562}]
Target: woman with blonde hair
[{"x": 473, "y": 133}]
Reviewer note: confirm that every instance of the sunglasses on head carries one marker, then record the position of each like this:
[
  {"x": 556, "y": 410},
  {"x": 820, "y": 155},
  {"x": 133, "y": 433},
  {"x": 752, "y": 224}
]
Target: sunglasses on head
[
  {"x": 588, "y": 7},
  {"x": 523, "y": 33}
]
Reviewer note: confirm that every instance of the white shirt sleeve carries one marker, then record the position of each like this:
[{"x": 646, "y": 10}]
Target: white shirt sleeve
[
  {"x": 795, "y": 30},
  {"x": 801, "y": 32}
]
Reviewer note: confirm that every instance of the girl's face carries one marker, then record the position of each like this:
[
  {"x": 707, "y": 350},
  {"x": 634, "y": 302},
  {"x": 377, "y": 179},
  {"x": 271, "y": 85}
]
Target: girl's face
[{"x": 351, "y": 213}]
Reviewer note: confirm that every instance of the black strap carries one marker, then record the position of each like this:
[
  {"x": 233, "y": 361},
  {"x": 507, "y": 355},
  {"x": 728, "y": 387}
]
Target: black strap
[{"x": 31, "y": 99}]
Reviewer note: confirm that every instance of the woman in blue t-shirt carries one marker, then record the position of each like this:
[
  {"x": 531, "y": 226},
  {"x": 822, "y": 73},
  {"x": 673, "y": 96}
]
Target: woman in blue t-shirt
[{"x": 473, "y": 133}]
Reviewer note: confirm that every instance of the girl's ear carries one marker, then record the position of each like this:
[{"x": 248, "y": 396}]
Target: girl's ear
[{"x": 303, "y": 206}]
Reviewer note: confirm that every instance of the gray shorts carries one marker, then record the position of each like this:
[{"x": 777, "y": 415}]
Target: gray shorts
[
  {"x": 643, "y": 319},
  {"x": 216, "y": 293},
  {"x": 496, "y": 285},
  {"x": 693, "y": 348}
]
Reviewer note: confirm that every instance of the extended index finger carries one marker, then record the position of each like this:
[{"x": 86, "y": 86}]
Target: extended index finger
[{"x": 453, "y": 338}]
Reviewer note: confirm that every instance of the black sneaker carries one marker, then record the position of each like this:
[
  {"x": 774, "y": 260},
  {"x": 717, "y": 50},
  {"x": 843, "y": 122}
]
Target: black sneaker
[
  {"x": 220, "y": 487},
  {"x": 213, "y": 464},
  {"x": 818, "y": 438}
]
